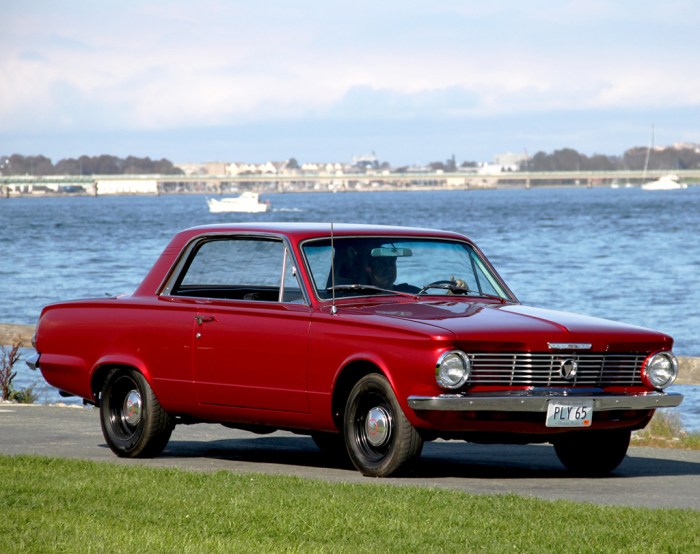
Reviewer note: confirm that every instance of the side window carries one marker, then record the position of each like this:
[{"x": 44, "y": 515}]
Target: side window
[
  {"x": 236, "y": 262},
  {"x": 239, "y": 269}
]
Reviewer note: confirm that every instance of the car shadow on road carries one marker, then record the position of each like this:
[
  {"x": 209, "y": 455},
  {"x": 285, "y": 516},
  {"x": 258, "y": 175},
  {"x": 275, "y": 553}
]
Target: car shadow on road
[
  {"x": 439, "y": 459},
  {"x": 454, "y": 459},
  {"x": 289, "y": 451}
]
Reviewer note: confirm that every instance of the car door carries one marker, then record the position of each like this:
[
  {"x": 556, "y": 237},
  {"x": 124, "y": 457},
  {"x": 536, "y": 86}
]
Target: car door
[{"x": 251, "y": 325}]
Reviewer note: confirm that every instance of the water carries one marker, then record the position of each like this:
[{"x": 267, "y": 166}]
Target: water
[{"x": 621, "y": 254}]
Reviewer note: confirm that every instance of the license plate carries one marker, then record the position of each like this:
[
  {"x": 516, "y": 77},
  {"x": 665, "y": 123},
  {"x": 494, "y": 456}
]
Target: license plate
[{"x": 570, "y": 413}]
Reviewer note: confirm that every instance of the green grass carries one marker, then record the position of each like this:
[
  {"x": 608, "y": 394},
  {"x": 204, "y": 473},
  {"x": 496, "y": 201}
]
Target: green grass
[{"x": 55, "y": 505}]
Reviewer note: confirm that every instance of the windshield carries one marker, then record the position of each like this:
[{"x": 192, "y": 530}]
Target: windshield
[{"x": 364, "y": 266}]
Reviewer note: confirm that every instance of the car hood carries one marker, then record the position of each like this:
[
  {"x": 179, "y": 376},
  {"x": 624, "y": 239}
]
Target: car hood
[{"x": 519, "y": 327}]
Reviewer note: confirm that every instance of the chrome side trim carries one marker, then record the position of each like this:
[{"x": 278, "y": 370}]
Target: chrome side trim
[
  {"x": 537, "y": 401},
  {"x": 33, "y": 361}
]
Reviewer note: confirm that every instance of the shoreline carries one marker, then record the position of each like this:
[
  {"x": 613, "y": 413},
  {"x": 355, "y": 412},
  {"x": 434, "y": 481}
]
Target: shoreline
[
  {"x": 263, "y": 190},
  {"x": 13, "y": 332},
  {"x": 304, "y": 190}
]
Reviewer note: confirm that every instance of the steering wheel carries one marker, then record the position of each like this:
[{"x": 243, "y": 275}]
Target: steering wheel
[{"x": 442, "y": 284}]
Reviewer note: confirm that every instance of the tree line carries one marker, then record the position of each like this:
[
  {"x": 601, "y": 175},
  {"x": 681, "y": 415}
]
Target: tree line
[
  {"x": 16, "y": 164},
  {"x": 566, "y": 159},
  {"x": 636, "y": 158}
]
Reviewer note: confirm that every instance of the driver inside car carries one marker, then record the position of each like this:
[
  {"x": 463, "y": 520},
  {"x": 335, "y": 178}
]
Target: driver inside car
[
  {"x": 381, "y": 272},
  {"x": 380, "y": 269}
]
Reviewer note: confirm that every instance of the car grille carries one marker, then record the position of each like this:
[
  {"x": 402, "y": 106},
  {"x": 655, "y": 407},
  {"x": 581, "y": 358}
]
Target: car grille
[{"x": 545, "y": 370}]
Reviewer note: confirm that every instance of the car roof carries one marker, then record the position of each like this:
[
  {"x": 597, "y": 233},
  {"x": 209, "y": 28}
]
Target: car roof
[
  {"x": 305, "y": 230},
  {"x": 297, "y": 232}
]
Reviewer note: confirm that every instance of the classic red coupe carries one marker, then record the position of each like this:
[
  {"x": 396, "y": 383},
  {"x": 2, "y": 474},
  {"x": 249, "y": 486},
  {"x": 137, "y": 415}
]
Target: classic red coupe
[{"x": 371, "y": 339}]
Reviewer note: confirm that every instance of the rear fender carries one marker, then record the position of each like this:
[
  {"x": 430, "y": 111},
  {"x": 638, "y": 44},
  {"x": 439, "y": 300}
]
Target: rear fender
[{"x": 105, "y": 364}]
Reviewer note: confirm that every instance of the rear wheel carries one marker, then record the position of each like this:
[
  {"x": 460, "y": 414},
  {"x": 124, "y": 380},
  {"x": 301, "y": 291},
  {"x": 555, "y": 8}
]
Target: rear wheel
[
  {"x": 133, "y": 422},
  {"x": 593, "y": 452},
  {"x": 380, "y": 440}
]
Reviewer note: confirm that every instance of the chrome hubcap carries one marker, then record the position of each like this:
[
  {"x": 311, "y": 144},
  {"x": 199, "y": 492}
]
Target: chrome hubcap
[
  {"x": 132, "y": 408},
  {"x": 378, "y": 426}
]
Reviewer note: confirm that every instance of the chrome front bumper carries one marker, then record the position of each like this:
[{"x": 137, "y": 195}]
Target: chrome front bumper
[{"x": 537, "y": 401}]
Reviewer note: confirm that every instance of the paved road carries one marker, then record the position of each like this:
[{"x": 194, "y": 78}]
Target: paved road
[{"x": 657, "y": 478}]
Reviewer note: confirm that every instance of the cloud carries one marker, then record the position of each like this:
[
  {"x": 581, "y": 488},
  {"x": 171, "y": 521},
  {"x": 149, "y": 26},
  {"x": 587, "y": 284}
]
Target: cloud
[
  {"x": 365, "y": 102},
  {"x": 151, "y": 66}
]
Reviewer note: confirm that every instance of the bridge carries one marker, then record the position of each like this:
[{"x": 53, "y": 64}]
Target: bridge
[{"x": 291, "y": 181}]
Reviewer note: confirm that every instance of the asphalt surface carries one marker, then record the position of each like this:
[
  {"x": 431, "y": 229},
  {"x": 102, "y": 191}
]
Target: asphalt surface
[{"x": 649, "y": 477}]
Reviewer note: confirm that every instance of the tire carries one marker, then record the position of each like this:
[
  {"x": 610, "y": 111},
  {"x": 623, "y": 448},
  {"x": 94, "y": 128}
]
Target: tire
[
  {"x": 380, "y": 440},
  {"x": 593, "y": 453},
  {"x": 133, "y": 422}
]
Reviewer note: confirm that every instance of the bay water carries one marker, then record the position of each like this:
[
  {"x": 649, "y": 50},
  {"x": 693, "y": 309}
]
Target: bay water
[{"x": 622, "y": 254}]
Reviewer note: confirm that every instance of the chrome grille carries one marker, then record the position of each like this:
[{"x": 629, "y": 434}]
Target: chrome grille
[{"x": 544, "y": 370}]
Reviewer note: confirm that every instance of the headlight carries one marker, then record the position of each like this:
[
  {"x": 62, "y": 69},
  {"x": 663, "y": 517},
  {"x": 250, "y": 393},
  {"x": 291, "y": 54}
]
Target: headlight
[
  {"x": 660, "y": 370},
  {"x": 452, "y": 369}
]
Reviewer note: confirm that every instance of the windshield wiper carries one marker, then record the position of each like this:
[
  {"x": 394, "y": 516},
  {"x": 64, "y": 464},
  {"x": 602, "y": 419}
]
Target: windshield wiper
[
  {"x": 487, "y": 295},
  {"x": 368, "y": 288}
]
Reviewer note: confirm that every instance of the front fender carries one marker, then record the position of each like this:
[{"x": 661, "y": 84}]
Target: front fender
[{"x": 359, "y": 364}]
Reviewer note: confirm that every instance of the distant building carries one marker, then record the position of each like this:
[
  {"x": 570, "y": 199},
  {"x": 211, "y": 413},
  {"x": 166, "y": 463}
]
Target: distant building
[
  {"x": 327, "y": 168},
  {"x": 366, "y": 161},
  {"x": 204, "y": 168},
  {"x": 267, "y": 168},
  {"x": 192, "y": 168},
  {"x": 239, "y": 168},
  {"x": 509, "y": 161},
  {"x": 215, "y": 168},
  {"x": 694, "y": 146},
  {"x": 489, "y": 169}
]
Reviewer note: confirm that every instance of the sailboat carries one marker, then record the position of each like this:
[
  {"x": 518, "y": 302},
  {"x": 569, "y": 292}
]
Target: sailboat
[{"x": 665, "y": 182}]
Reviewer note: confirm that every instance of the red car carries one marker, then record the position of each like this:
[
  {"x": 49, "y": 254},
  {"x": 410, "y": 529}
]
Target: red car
[{"x": 371, "y": 339}]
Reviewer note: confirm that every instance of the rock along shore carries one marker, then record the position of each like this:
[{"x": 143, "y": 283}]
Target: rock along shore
[{"x": 11, "y": 333}]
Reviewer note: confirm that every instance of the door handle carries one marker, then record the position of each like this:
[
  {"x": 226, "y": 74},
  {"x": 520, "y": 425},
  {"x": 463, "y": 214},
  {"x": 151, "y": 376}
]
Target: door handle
[{"x": 204, "y": 319}]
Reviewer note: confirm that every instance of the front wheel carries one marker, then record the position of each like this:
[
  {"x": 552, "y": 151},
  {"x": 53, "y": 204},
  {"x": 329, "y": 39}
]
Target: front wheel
[
  {"x": 592, "y": 453},
  {"x": 133, "y": 422},
  {"x": 379, "y": 439}
]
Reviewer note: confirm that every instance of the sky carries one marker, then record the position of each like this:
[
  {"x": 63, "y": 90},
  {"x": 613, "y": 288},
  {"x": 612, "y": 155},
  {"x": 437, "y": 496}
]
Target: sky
[{"x": 413, "y": 81}]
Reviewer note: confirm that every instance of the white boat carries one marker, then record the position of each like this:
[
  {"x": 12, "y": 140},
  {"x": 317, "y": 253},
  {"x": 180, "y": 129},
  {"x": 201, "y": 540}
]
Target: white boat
[
  {"x": 665, "y": 182},
  {"x": 247, "y": 202}
]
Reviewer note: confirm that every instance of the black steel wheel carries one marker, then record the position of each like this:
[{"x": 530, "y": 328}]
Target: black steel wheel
[
  {"x": 133, "y": 422},
  {"x": 380, "y": 440},
  {"x": 593, "y": 453}
]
